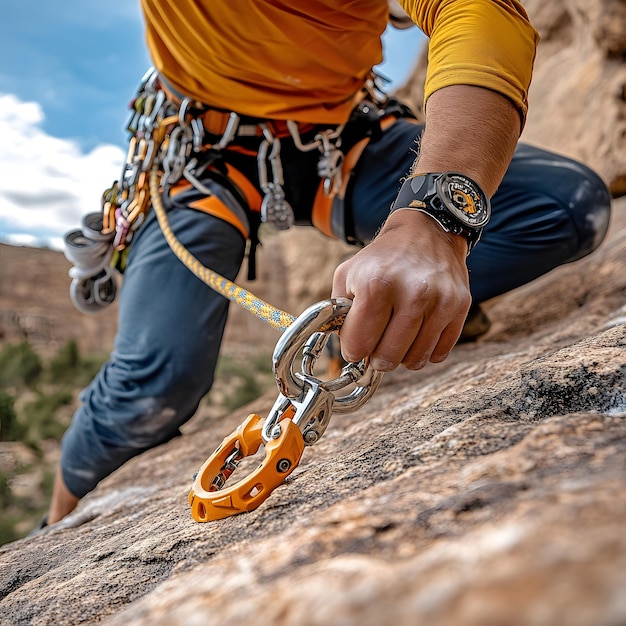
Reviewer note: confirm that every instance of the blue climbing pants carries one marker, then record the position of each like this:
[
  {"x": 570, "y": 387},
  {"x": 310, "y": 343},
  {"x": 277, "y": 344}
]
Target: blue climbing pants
[{"x": 549, "y": 210}]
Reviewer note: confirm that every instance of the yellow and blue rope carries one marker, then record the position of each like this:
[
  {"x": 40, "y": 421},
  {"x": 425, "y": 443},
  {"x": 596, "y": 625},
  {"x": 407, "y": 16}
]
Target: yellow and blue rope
[{"x": 276, "y": 318}]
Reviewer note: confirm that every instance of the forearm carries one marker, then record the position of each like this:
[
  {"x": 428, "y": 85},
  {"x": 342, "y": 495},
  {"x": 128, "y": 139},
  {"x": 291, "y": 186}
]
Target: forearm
[
  {"x": 410, "y": 285},
  {"x": 481, "y": 57},
  {"x": 470, "y": 130}
]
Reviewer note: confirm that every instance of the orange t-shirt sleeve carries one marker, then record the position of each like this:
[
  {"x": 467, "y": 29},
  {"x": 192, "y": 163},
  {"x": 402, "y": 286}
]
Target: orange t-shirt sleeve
[{"x": 487, "y": 43}]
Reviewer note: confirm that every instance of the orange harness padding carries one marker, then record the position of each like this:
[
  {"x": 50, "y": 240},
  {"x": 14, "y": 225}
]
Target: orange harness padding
[
  {"x": 321, "y": 215},
  {"x": 216, "y": 121},
  {"x": 322, "y": 212},
  {"x": 216, "y": 207}
]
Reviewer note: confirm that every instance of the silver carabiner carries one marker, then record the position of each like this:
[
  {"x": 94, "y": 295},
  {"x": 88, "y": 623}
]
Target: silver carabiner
[
  {"x": 183, "y": 109},
  {"x": 229, "y": 131},
  {"x": 147, "y": 124},
  {"x": 324, "y": 317},
  {"x": 275, "y": 210},
  {"x": 311, "y": 413}
]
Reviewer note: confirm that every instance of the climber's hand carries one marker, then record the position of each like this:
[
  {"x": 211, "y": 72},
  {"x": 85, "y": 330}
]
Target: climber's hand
[{"x": 410, "y": 294}]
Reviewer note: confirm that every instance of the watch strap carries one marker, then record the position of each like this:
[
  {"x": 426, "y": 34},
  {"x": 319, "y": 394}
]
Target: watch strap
[{"x": 418, "y": 193}]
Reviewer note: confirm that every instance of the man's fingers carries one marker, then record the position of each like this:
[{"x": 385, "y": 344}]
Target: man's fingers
[
  {"x": 406, "y": 307},
  {"x": 396, "y": 342},
  {"x": 363, "y": 327},
  {"x": 448, "y": 340}
]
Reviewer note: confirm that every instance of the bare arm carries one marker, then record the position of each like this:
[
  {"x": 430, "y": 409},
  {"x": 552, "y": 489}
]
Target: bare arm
[{"x": 410, "y": 285}]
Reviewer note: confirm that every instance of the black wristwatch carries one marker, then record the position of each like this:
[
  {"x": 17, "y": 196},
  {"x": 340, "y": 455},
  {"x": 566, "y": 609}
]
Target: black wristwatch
[{"x": 454, "y": 200}]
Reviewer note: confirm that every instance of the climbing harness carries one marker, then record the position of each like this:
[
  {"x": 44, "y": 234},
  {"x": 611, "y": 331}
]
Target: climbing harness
[
  {"x": 174, "y": 133},
  {"x": 170, "y": 136}
]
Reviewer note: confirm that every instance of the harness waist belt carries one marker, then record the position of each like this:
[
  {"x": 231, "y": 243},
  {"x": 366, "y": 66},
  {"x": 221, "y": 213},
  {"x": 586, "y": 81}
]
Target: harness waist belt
[{"x": 216, "y": 121}]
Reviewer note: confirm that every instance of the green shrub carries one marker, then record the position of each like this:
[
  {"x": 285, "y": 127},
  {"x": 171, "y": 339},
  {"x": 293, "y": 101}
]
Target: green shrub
[
  {"x": 7, "y": 530},
  {"x": 19, "y": 365},
  {"x": 47, "y": 484},
  {"x": 67, "y": 358},
  {"x": 69, "y": 367},
  {"x": 39, "y": 415},
  {"x": 245, "y": 388},
  {"x": 5, "y": 491},
  {"x": 89, "y": 366},
  {"x": 244, "y": 379},
  {"x": 35, "y": 404},
  {"x": 7, "y": 522},
  {"x": 10, "y": 428}
]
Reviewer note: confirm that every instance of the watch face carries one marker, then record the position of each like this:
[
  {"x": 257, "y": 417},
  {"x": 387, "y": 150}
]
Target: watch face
[{"x": 464, "y": 199}]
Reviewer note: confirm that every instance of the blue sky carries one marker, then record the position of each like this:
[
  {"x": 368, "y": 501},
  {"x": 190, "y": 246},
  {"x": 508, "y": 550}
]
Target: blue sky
[{"x": 67, "y": 73}]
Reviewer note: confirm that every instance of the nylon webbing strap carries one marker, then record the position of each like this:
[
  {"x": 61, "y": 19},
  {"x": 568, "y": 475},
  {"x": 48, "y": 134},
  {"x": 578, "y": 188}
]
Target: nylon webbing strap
[{"x": 280, "y": 320}]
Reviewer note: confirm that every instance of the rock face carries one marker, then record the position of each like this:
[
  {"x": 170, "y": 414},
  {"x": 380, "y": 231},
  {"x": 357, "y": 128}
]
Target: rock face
[
  {"x": 578, "y": 95},
  {"x": 489, "y": 489},
  {"x": 35, "y": 304}
]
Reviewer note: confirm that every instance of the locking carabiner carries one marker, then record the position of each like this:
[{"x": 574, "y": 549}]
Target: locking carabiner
[{"x": 309, "y": 334}]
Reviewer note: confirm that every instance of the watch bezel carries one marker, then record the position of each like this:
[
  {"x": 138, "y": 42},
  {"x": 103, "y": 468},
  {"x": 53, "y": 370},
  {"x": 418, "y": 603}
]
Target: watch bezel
[{"x": 468, "y": 188}]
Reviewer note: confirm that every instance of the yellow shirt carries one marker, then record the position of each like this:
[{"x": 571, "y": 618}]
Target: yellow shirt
[{"x": 307, "y": 60}]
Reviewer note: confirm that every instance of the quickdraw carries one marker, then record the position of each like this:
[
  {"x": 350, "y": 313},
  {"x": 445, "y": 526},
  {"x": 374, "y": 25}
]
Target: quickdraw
[
  {"x": 299, "y": 418},
  {"x": 126, "y": 203}
]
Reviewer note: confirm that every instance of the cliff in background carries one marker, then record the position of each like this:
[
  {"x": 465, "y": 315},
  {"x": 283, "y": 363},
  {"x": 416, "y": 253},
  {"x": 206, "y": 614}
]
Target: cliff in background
[{"x": 490, "y": 489}]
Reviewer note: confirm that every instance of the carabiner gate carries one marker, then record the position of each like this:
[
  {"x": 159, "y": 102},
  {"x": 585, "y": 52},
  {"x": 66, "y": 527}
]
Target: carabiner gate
[{"x": 210, "y": 500}]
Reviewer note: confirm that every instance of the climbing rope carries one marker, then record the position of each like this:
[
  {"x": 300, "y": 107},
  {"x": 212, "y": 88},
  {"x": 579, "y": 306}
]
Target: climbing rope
[
  {"x": 276, "y": 318},
  {"x": 304, "y": 405}
]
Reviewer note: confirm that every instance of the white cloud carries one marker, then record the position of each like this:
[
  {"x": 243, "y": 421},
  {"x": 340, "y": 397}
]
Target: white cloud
[{"x": 47, "y": 184}]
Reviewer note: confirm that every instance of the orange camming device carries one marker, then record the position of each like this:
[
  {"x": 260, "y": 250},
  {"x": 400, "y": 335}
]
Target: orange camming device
[{"x": 298, "y": 418}]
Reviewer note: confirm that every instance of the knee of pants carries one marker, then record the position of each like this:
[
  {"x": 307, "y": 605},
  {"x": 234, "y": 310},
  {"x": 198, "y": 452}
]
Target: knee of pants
[
  {"x": 589, "y": 205},
  {"x": 124, "y": 415},
  {"x": 147, "y": 407},
  {"x": 575, "y": 189}
]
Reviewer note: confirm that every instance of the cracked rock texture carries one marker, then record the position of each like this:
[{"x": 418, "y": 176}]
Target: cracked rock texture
[
  {"x": 486, "y": 490},
  {"x": 490, "y": 489}
]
